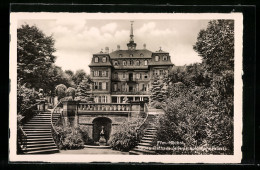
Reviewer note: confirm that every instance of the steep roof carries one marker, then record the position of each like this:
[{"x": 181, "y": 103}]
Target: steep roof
[{"x": 126, "y": 53}]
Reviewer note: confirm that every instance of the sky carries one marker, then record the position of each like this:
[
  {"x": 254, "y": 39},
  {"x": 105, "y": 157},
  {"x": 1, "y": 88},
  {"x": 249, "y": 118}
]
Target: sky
[{"x": 76, "y": 40}]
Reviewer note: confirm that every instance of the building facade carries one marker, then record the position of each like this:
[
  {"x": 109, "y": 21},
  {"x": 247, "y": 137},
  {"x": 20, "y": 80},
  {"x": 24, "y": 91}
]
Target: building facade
[{"x": 126, "y": 74}]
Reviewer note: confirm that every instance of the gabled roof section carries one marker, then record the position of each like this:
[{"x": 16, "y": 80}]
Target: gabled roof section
[{"x": 143, "y": 53}]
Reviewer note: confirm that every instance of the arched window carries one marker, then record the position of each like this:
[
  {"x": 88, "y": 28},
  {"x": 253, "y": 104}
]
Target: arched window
[
  {"x": 138, "y": 63},
  {"x": 116, "y": 63},
  {"x": 104, "y": 59},
  {"x": 165, "y": 58},
  {"x": 157, "y": 58},
  {"x": 96, "y": 60},
  {"x": 145, "y": 62},
  {"x": 124, "y": 63}
]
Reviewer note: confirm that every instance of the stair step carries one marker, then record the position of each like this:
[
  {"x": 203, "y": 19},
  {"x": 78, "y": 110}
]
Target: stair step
[
  {"x": 37, "y": 130},
  {"x": 39, "y": 136},
  {"x": 144, "y": 144},
  {"x": 146, "y": 141},
  {"x": 40, "y": 144},
  {"x": 40, "y": 139},
  {"x": 147, "y": 138},
  {"x": 37, "y": 127},
  {"x": 49, "y": 151},
  {"x": 37, "y": 123},
  {"x": 148, "y": 135},
  {"x": 41, "y": 148}
]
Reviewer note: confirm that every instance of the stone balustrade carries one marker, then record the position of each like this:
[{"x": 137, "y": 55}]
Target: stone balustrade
[{"x": 104, "y": 107}]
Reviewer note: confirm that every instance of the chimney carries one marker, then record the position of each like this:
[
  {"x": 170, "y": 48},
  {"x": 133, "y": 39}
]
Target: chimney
[
  {"x": 118, "y": 47},
  {"x": 107, "y": 50},
  {"x": 144, "y": 46}
]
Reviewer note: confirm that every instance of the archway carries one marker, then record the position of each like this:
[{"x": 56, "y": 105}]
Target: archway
[{"x": 97, "y": 127}]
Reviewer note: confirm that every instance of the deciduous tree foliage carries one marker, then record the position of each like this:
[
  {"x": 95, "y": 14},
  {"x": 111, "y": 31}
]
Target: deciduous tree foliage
[
  {"x": 199, "y": 109},
  {"x": 34, "y": 55},
  {"x": 79, "y": 76}
]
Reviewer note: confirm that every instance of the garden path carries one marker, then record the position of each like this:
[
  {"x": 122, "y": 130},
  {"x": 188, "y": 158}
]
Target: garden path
[{"x": 93, "y": 151}]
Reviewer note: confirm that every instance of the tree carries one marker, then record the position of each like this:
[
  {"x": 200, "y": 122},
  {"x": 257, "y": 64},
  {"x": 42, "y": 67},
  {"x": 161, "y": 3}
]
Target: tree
[
  {"x": 60, "y": 90},
  {"x": 83, "y": 89},
  {"x": 79, "y": 76},
  {"x": 216, "y": 47},
  {"x": 55, "y": 76},
  {"x": 69, "y": 72},
  {"x": 199, "y": 109},
  {"x": 156, "y": 90},
  {"x": 34, "y": 55}
]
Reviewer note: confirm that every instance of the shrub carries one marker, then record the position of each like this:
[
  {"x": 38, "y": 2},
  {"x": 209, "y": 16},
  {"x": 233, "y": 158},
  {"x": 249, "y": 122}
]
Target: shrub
[
  {"x": 126, "y": 137},
  {"x": 197, "y": 117},
  {"x": 73, "y": 138},
  {"x": 71, "y": 92},
  {"x": 60, "y": 91}
]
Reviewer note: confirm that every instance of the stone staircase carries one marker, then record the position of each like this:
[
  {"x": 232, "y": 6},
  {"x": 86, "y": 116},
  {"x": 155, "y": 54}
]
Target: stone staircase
[
  {"x": 146, "y": 143},
  {"x": 39, "y": 136}
]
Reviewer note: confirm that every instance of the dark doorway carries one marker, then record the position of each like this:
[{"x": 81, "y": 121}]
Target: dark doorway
[
  {"x": 97, "y": 127},
  {"x": 130, "y": 76}
]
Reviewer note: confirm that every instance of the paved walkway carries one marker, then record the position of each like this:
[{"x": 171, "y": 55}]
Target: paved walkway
[{"x": 93, "y": 151}]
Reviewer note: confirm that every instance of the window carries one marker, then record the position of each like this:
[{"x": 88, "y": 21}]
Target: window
[
  {"x": 165, "y": 58},
  {"x": 115, "y": 75},
  {"x": 131, "y": 55},
  {"x": 131, "y": 62},
  {"x": 104, "y": 86},
  {"x": 155, "y": 72},
  {"x": 104, "y": 73},
  {"x": 99, "y": 85},
  {"x": 124, "y": 63},
  {"x": 100, "y": 73},
  {"x": 146, "y": 76},
  {"x": 115, "y": 87},
  {"x": 138, "y": 75},
  {"x": 145, "y": 63},
  {"x": 99, "y": 99},
  {"x": 116, "y": 63},
  {"x": 95, "y": 85},
  {"x": 96, "y": 99},
  {"x": 95, "y": 73},
  {"x": 161, "y": 72},
  {"x": 104, "y": 59},
  {"x": 157, "y": 58},
  {"x": 141, "y": 55},
  {"x": 96, "y": 60},
  {"x": 120, "y": 55},
  {"x": 138, "y": 63},
  {"x": 103, "y": 99},
  {"x": 124, "y": 75}
]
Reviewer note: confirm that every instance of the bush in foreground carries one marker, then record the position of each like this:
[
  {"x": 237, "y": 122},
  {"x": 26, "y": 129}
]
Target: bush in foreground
[
  {"x": 73, "y": 137},
  {"x": 126, "y": 137}
]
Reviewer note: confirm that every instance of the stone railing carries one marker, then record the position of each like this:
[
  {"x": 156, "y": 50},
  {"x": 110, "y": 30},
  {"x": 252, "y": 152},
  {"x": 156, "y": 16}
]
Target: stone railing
[
  {"x": 131, "y": 93},
  {"x": 104, "y": 107}
]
